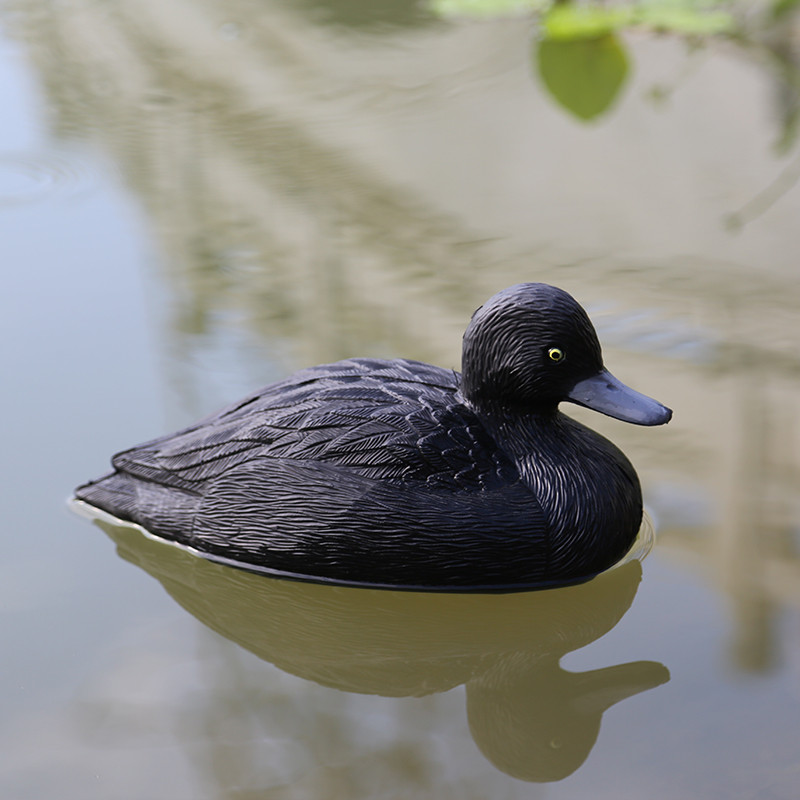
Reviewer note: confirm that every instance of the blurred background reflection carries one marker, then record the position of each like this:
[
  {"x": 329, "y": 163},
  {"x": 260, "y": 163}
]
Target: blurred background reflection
[{"x": 198, "y": 198}]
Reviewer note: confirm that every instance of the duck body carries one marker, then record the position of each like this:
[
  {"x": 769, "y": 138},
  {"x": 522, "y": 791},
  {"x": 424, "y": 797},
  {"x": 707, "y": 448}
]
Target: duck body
[{"x": 397, "y": 474}]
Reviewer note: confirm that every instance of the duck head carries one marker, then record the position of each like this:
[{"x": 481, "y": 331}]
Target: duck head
[{"x": 532, "y": 346}]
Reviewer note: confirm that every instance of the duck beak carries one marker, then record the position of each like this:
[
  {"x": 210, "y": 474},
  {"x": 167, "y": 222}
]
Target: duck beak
[{"x": 608, "y": 395}]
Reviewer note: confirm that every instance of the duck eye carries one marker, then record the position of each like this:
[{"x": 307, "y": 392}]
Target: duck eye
[{"x": 556, "y": 354}]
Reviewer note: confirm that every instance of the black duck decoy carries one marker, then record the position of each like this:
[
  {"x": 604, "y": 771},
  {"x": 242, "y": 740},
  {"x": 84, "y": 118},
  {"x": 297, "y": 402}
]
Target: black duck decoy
[{"x": 405, "y": 475}]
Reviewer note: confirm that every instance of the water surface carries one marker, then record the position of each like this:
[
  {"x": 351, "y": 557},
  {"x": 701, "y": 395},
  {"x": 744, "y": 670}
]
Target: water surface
[{"x": 196, "y": 199}]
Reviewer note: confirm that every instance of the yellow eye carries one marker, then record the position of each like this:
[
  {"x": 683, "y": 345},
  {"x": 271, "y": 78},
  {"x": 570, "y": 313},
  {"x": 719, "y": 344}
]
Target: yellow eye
[{"x": 556, "y": 354}]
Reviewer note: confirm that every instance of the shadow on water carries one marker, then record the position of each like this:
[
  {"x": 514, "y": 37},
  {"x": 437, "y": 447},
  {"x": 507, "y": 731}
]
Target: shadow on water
[{"x": 529, "y": 716}]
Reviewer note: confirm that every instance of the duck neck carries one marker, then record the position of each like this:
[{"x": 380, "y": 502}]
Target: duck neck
[
  {"x": 525, "y": 436},
  {"x": 536, "y": 440}
]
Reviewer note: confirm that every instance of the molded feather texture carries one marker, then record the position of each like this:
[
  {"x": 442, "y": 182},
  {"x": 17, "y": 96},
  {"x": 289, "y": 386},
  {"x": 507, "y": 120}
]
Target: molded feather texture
[
  {"x": 588, "y": 489},
  {"x": 402, "y": 420},
  {"x": 339, "y": 522},
  {"x": 505, "y": 359}
]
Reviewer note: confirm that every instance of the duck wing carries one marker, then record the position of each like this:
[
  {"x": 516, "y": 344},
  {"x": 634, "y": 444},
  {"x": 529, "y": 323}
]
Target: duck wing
[{"x": 383, "y": 420}]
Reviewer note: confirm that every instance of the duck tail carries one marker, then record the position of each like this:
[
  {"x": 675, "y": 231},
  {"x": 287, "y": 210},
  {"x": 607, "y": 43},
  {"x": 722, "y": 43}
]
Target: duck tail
[
  {"x": 165, "y": 511},
  {"x": 113, "y": 493}
]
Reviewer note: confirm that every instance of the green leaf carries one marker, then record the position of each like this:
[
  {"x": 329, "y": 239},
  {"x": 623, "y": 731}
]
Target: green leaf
[{"x": 585, "y": 75}]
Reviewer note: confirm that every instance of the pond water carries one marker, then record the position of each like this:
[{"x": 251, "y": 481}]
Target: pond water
[{"x": 199, "y": 198}]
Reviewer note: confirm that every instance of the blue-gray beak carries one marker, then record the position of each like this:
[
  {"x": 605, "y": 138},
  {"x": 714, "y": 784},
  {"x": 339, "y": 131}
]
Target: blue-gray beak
[{"x": 604, "y": 393}]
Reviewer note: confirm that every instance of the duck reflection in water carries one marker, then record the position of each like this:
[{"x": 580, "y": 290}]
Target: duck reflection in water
[{"x": 530, "y": 718}]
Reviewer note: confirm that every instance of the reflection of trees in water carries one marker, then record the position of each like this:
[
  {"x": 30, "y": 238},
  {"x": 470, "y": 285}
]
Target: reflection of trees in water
[
  {"x": 752, "y": 553},
  {"x": 221, "y": 118},
  {"x": 255, "y": 209},
  {"x": 370, "y": 16},
  {"x": 259, "y": 210}
]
